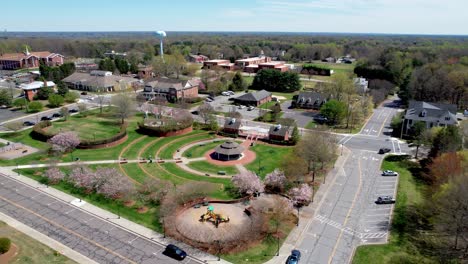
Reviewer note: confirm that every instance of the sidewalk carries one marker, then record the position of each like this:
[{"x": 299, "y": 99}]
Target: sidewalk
[
  {"x": 307, "y": 214},
  {"x": 108, "y": 216}
]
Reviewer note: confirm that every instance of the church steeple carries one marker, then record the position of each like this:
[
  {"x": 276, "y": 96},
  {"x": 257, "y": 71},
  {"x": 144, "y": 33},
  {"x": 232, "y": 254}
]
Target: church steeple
[{"x": 27, "y": 51}]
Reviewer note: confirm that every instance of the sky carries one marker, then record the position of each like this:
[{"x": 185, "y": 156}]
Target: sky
[{"x": 347, "y": 16}]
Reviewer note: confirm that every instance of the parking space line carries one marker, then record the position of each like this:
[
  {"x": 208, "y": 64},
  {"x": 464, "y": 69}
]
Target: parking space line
[
  {"x": 378, "y": 215},
  {"x": 386, "y": 189}
]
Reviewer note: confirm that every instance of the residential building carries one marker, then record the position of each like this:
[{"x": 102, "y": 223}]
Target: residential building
[
  {"x": 361, "y": 84},
  {"x": 309, "y": 100},
  {"x": 254, "y": 98},
  {"x": 171, "y": 89},
  {"x": 99, "y": 81},
  {"x": 14, "y": 61},
  {"x": 197, "y": 58},
  {"x": 232, "y": 126},
  {"x": 145, "y": 72},
  {"x": 30, "y": 89},
  {"x": 278, "y": 133},
  {"x": 432, "y": 114},
  {"x": 211, "y": 64}
]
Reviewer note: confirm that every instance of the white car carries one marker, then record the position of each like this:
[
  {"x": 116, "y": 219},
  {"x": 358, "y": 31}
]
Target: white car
[
  {"x": 241, "y": 106},
  {"x": 250, "y": 108},
  {"x": 389, "y": 173},
  {"x": 225, "y": 93}
]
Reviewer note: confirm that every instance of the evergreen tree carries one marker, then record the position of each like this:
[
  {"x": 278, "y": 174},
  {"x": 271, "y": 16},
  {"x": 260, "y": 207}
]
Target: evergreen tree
[
  {"x": 295, "y": 135},
  {"x": 238, "y": 83},
  {"x": 5, "y": 98},
  {"x": 62, "y": 89},
  {"x": 276, "y": 81}
]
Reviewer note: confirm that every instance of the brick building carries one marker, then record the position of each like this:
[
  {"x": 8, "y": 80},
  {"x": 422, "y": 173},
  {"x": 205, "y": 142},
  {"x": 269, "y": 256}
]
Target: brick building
[
  {"x": 30, "y": 89},
  {"x": 254, "y": 99},
  {"x": 171, "y": 89},
  {"x": 278, "y": 133},
  {"x": 14, "y": 61},
  {"x": 99, "y": 81}
]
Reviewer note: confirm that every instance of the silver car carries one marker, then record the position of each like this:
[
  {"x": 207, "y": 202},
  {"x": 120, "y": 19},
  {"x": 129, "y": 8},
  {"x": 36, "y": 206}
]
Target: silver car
[{"x": 389, "y": 173}]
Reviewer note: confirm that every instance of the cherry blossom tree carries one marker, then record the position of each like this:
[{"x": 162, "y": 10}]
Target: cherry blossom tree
[
  {"x": 301, "y": 195},
  {"x": 83, "y": 177},
  {"x": 65, "y": 141},
  {"x": 54, "y": 175},
  {"x": 111, "y": 183},
  {"x": 247, "y": 183},
  {"x": 275, "y": 181}
]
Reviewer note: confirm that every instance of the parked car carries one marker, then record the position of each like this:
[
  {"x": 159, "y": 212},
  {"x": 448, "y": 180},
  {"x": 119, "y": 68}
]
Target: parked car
[
  {"x": 385, "y": 200},
  {"x": 384, "y": 150},
  {"x": 250, "y": 108},
  {"x": 241, "y": 106},
  {"x": 294, "y": 257},
  {"x": 225, "y": 93},
  {"x": 28, "y": 123},
  {"x": 320, "y": 119},
  {"x": 45, "y": 118},
  {"x": 175, "y": 252},
  {"x": 389, "y": 173},
  {"x": 84, "y": 93},
  {"x": 56, "y": 115},
  {"x": 73, "y": 111},
  {"x": 230, "y": 92},
  {"x": 209, "y": 100}
]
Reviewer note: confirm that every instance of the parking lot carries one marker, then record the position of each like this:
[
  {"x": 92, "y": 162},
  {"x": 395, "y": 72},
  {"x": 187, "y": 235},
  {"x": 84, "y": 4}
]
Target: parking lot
[{"x": 223, "y": 104}]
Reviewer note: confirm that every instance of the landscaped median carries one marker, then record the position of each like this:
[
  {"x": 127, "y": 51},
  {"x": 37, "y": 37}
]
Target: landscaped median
[{"x": 409, "y": 193}]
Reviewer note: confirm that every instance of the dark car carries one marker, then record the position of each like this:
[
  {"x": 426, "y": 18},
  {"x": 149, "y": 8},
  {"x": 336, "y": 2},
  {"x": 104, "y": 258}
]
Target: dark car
[
  {"x": 175, "y": 252},
  {"x": 385, "y": 200},
  {"x": 294, "y": 257},
  {"x": 45, "y": 118},
  {"x": 73, "y": 111},
  {"x": 28, "y": 123},
  {"x": 84, "y": 93},
  {"x": 56, "y": 115},
  {"x": 320, "y": 119},
  {"x": 384, "y": 150}
]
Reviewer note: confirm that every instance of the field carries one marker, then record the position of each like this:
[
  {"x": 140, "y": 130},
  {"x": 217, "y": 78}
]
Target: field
[
  {"x": 268, "y": 158},
  {"x": 30, "y": 251}
]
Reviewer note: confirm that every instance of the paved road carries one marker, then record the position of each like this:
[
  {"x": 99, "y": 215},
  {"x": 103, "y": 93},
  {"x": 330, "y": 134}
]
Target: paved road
[
  {"x": 348, "y": 215},
  {"x": 85, "y": 233}
]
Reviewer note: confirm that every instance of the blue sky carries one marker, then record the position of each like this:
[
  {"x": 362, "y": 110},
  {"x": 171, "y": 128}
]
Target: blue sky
[{"x": 357, "y": 16}]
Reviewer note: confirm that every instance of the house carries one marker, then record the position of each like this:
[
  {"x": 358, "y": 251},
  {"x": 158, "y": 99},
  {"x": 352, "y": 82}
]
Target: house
[
  {"x": 171, "y": 89},
  {"x": 99, "y": 81},
  {"x": 361, "y": 84},
  {"x": 254, "y": 98},
  {"x": 197, "y": 58},
  {"x": 144, "y": 71},
  {"x": 432, "y": 114},
  {"x": 211, "y": 64},
  {"x": 30, "y": 89},
  {"x": 309, "y": 100},
  {"x": 232, "y": 126},
  {"x": 278, "y": 133},
  {"x": 14, "y": 61}
]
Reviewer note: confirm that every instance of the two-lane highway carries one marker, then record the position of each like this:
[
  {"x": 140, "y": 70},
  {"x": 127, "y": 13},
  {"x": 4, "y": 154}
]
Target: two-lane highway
[{"x": 83, "y": 232}]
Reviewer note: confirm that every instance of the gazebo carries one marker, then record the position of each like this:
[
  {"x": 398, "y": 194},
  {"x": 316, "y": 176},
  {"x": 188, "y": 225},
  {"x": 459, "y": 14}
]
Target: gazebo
[{"x": 229, "y": 150}]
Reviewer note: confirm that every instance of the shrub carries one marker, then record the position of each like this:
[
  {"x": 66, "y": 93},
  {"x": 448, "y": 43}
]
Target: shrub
[
  {"x": 38, "y": 132},
  {"x": 5, "y": 244},
  {"x": 35, "y": 106}
]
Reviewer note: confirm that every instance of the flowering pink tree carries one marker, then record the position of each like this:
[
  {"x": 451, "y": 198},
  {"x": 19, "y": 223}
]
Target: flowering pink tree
[
  {"x": 275, "y": 181},
  {"x": 54, "y": 174},
  {"x": 247, "y": 183},
  {"x": 301, "y": 195},
  {"x": 65, "y": 141},
  {"x": 113, "y": 184},
  {"x": 83, "y": 177}
]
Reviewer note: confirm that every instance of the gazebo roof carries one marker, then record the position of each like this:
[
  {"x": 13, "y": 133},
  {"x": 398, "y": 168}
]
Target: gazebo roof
[{"x": 229, "y": 148}]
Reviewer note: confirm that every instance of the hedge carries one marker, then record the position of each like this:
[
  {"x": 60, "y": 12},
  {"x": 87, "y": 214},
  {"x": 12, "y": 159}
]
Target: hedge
[
  {"x": 5, "y": 244},
  {"x": 38, "y": 132}
]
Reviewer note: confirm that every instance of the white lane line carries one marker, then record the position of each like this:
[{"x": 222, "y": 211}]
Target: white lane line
[
  {"x": 374, "y": 221},
  {"x": 70, "y": 211},
  {"x": 52, "y": 203},
  {"x": 370, "y": 215},
  {"x": 386, "y": 189},
  {"x": 131, "y": 241}
]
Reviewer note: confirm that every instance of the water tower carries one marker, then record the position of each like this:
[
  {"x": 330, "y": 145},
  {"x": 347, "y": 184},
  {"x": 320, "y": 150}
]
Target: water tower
[{"x": 161, "y": 35}]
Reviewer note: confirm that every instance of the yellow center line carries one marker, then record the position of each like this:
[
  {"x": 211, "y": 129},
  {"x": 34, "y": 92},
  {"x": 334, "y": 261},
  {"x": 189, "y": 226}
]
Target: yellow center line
[
  {"x": 347, "y": 215},
  {"x": 66, "y": 229}
]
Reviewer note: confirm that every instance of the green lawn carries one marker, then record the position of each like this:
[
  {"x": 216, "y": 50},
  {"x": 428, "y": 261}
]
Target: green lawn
[
  {"x": 169, "y": 150},
  {"x": 204, "y": 166},
  {"x": 88, "y": 128},
  {"x": 200, "y": 150},
  {"x": 311, "y": 125},
  {"x": 268, "y": 158},
  {"x": 409, "y": 193},
  {"x": 30, "y": 250}
]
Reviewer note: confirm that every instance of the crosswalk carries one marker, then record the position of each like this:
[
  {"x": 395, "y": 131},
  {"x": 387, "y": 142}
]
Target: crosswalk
[{"x": 324, "y": 220}]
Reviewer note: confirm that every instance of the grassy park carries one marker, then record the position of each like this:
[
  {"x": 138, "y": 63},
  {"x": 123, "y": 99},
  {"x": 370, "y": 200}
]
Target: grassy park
[
  {"x": 268, "y": 158},
  {"x": 30, "y": 250}
]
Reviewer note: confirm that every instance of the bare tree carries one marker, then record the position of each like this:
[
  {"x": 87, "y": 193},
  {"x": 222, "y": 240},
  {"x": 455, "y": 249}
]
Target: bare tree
[
  {"x": 206, "y": 111},
  {"x": 100, "y": 98},
  {"x": 124, "y": 106}
]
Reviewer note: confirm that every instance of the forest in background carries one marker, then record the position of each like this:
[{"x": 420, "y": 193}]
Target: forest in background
[{"x": 429, "y": 68}]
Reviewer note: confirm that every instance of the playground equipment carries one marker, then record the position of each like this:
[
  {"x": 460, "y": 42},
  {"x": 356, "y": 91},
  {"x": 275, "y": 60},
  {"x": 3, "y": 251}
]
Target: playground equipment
[{"x": 212, "y": 217}]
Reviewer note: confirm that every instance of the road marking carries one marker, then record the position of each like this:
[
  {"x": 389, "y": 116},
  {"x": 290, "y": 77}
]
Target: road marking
[
  {"x": 374, "y": 221},
  {"x": 131, "y": 241},
  {"x": 52, "y": 203},
  {"x": 66, "y": 229},
  {"x": 377, "y": 215},
  {"x": 70, "y": 211},
  {"x": 349, "y": 213},
  {"x": 386, "y": 189}
]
